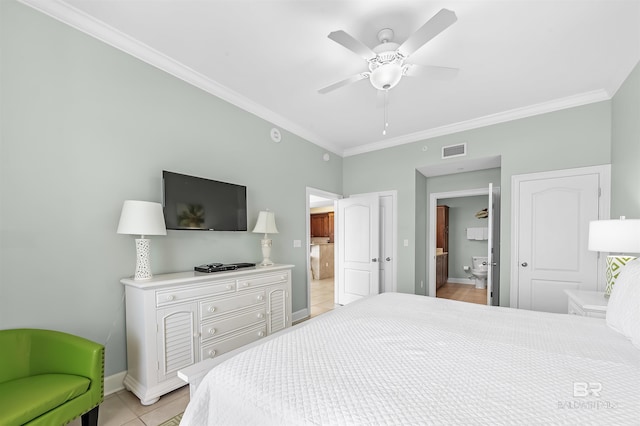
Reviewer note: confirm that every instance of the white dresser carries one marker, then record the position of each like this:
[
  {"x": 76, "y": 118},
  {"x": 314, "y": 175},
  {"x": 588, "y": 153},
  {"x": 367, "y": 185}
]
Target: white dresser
[{"x": 176, "y": 320}]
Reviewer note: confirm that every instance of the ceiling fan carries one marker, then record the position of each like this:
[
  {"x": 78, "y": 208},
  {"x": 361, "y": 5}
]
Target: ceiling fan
[{"x": 386, "y": 61}]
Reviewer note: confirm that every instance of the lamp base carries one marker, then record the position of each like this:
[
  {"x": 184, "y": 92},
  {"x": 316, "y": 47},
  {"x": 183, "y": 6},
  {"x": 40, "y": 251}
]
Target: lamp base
[
  {"x": 266, "y": 252},
  {"x": 143, "y": 263}
]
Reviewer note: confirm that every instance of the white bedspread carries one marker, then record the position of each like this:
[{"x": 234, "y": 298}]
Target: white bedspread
[{"x": 404, "y": 359}]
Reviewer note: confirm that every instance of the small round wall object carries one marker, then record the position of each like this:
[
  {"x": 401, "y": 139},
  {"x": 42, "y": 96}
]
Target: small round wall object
[{"x": 276, "y": 136}]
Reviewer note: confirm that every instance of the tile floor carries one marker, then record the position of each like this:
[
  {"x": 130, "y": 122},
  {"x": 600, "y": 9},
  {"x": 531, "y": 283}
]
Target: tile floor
[
  {"x": 124, "y": 409},
  {"x": 322, "y": 296},
  {"x": 463, "y": 292}
]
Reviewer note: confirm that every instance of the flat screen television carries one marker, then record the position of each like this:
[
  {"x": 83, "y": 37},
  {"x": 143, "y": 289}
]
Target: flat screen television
[{"x": 194, "y": 203}]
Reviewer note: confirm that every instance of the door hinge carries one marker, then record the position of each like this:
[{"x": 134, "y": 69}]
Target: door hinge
[{"x": 599, "y": 192}]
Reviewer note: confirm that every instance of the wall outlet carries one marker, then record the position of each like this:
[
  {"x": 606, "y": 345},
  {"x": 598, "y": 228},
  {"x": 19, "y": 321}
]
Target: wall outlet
[
  {"x": 297, "y": 243},
  {"x": 406, "y": 243}
]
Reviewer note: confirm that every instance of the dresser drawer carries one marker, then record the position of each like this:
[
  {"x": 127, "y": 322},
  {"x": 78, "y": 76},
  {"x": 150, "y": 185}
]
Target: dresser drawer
[
  {"x": 223, "y": 346},
  {"x": 213, "y": 308},
  {"x": 216, "y": 328},
  {"x": 262, "y": 280},
  {"x": 175, "y": 295}
]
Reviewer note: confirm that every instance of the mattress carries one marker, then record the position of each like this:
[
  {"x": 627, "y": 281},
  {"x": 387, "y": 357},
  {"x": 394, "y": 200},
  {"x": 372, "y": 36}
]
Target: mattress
[{"x": 404, "y": 359}]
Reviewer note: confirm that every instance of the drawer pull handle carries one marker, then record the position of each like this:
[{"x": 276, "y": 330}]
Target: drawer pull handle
[
  {"x": 247, "y": 284},
  {"x": 211, "y": 309},
  {"x": 212, "y": 353},
  {"x": 228, "y": 286},
  {"x": 261, "y": 333},
  {"x": 260, "y": 315},
  {"x": 212, "y": 331},
  {"x": 261, "y": 297},
  {"x": 170, "y": 297}
]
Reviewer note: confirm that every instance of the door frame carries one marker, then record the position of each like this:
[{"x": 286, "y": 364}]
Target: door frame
[
  {"x": 324, "y": 194},
  {"x": 604, "y": 211},
  {"x": 433, "y": 205}
]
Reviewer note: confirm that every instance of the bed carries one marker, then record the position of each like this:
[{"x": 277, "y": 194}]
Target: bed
[{"x": 405, "y": 359}]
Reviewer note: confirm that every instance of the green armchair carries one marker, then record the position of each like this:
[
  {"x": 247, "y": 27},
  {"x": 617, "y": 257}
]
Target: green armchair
[{"x": 49, "y": 378}]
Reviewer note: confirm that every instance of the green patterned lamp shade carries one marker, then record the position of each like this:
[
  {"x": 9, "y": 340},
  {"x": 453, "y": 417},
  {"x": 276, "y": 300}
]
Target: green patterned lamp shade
[{"x": 614, "y": 266}]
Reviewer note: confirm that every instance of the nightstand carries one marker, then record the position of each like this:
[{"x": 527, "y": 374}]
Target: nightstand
[{"x": 587, "y": 303}]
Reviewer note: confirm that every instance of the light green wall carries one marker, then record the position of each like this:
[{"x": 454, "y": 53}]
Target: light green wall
[
  {"x": 84, "y": 127},
  {"x": 625, "y": 153},
  {"x": 462, "y": 211},
  {"x": 570, "y": 138}
]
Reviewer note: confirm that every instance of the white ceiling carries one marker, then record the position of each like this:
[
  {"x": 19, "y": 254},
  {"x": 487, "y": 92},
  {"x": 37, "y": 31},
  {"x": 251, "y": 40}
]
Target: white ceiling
[{"x": 516, "y": 58}]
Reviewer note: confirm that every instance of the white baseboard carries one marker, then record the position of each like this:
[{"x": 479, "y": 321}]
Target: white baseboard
[
  {"x": 300, "y": 315},
  {"x": 469, "y": 281},
  {"x": 114, "y": 383}
]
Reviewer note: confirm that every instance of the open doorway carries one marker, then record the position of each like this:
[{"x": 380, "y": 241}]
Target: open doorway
[
  {"x": 321, "y": 256},
  {"x": 461, "y": 248},
  {"x": 464, "y": 245}
]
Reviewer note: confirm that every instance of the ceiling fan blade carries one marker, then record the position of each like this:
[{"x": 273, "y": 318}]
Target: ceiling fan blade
[
  {"x": 437, "y": 73},
  {"x": 352, "y": 44},
  {"x": 346, "y": 81},
  {"x": 434, "y": 26}
]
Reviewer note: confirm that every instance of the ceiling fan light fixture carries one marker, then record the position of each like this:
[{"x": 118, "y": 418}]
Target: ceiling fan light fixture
[{"x": 386, "y": 76}]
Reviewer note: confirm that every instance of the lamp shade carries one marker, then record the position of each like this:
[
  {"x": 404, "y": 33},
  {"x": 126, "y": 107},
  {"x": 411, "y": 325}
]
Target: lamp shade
[
  {"x": 266, "y": 223},
  {"x": 618, "y": 236},
  {"x": 141, "y": 218}
]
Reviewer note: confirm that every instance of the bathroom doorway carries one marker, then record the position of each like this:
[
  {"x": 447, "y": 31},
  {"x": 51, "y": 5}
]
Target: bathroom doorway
[{"x": 464, "y": 241}]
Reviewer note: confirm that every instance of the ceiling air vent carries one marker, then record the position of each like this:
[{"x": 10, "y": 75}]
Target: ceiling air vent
[{"x": 454, "y": 150}]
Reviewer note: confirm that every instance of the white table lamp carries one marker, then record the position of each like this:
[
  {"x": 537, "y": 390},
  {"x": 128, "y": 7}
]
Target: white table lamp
[
  {"x": 266, "y": 224},
  {"x": 615, "y": 236},
  {"x": 142, "y": 218}
]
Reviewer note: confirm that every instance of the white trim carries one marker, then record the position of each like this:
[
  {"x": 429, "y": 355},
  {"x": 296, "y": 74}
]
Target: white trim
[
  {"x": 487, "y": 120},
  {"x": 431, "y": 231},
  {"x": 300, "y": 315},
  {"x": 604, "y": 211},
  {"x": 114, "y": 383},
  {"x": 86, "y": 23},
  {"x": 465, "y": 281},
  {"x": 320, "y": 193}
]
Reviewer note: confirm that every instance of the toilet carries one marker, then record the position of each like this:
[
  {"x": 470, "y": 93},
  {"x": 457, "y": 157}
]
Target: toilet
[{"x": 479, "y": 270}]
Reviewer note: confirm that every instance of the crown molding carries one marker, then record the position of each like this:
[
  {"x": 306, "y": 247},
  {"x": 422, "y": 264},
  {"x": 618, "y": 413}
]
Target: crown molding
[
  {"x": 487, "y": 120},
  {"x": 69, "y": 15},
  {"x": 93, "y": 27}
]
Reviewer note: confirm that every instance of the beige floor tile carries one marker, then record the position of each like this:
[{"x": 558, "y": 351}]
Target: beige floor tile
[
  {"x": 113, "y": 412},
  {"x": 165, "y": 412},
  {"x": 135, "y": 422}
]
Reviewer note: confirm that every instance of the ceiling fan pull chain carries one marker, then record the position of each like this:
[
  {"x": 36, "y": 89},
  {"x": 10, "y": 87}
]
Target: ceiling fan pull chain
[{"x": 386, "y": 122}]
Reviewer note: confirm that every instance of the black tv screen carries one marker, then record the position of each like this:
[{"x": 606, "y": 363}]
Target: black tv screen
[{"x": 194, "y": 203}]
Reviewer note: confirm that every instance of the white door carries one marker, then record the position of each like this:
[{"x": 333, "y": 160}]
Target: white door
[
  {"x": 386, "y": 243},
  {"x": 357, "y": 231},
  {"x": 493, "y": 247},
  {"x": 552, "y": 255},
  {"x": 490, "y": 246}
]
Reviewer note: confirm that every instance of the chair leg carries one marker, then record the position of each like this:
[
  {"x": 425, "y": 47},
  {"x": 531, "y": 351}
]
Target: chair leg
[{"x": 90, "y": 418}]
